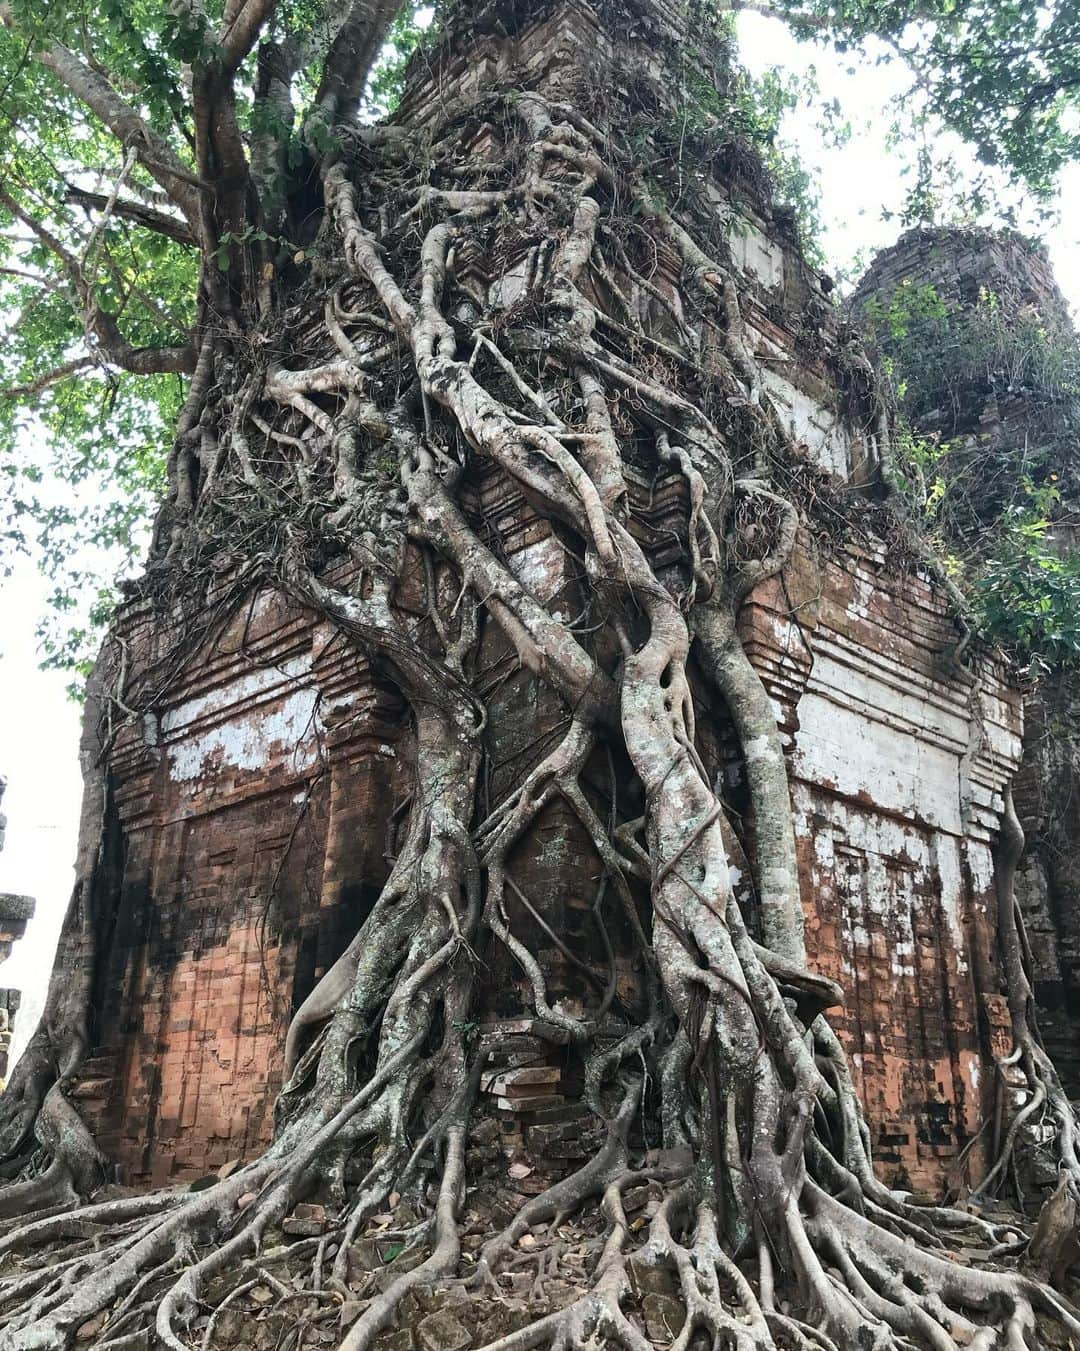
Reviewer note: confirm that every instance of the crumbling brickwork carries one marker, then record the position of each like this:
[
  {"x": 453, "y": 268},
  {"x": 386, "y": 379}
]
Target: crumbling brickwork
[
  {"x": 897, "y": 769},
  {"x": 254, "y": 813},
  {"x": 254, "y": 820},
  {"x": 964, "y": 265}
]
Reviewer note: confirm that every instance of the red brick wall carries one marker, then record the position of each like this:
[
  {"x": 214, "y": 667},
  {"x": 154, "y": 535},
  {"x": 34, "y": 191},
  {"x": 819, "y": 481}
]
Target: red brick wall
[
  {"x": 242, "y": 882},
  {"x": 897, "y": 761}
]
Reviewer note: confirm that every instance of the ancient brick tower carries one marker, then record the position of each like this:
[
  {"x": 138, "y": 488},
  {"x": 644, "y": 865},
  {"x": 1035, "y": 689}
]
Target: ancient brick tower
[
  {"x": 249, "y": 820},
  {"x": 1018, "y": 417}
]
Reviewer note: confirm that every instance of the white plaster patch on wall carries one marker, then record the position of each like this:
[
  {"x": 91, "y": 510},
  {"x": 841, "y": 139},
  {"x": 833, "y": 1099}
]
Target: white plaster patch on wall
[
  {"x": 883, "y": 837},
  {"x": 240, "y": 688},
  {"x": 972, "y": 1070},
  {"x": 823, "y": 851},
  {"x": 862, "y": 593},
  {"x": 754, "y": 252},
  {"x": 1003, "y": 743},
  {"x": 902, "y": 949},
  {"x": 834, "y": 746},
  {"x": 781, "y": 629},
  {"x": 980, "y": 866},
  {"x": 251, "y": 740},
  {"x": 889, "y": 691},
  {"x": 541, "y": 569},
  {"x": 819, "y": 428},
  {"x": 880, "y": 885},
  {"x": 946, "y": 855},
  {"x": 838, "y": 746}
]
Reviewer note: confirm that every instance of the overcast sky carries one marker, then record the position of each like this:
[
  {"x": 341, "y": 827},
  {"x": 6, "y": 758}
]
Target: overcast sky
[{"x": 39, "y": 724}]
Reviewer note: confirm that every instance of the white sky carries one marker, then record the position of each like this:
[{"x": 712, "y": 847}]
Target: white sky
[{"x": 39, "y": 725}]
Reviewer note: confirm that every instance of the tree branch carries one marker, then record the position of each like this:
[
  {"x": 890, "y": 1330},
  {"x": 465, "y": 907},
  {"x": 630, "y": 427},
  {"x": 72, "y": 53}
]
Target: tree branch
[
  {"x": 158, "y": 221},
  {"x": 153, "y": 151},
  {"x": 352, "y": 55},
  {"x": 99, "y": 325},
  {"x": 240, "y": 32},
  {"x": 136, "y": 360},
  {"x": 50, "y": 378},
  {"x": 141, "y": 360}
]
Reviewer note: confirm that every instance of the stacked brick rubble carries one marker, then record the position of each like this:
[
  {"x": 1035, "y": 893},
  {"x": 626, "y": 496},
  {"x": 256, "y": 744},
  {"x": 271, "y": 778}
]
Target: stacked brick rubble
[{"x": 253, "y": 816}]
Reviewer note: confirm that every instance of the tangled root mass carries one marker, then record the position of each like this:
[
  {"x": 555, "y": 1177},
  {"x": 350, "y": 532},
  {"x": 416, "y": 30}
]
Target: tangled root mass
[{"x": 507, "y": 316}]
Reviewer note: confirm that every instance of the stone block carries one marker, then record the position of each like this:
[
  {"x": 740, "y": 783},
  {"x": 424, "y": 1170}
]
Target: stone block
[
  {"x": 401, "y": 1339},
  {"x": 547, "y": 1032},
  {"x": 443, "y": 1331},
  {"x": 528, "y": 1104},
  {"x": 528, "y": 1081},
  {"x": 15, "y": 909},
  {"x": 664, "y": 1318},
  {"x": 648, "y": 1278},
  {"x": 307, "y": 1221}
]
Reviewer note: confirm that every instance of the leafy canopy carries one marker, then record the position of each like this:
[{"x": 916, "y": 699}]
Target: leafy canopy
[{"x": 1003, "y": 74}]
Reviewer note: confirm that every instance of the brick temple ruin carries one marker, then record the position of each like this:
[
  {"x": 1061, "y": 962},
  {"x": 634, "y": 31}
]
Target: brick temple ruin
[
  {"x": 968, "y": 268},
  {"x": 251, "y": 817}
]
